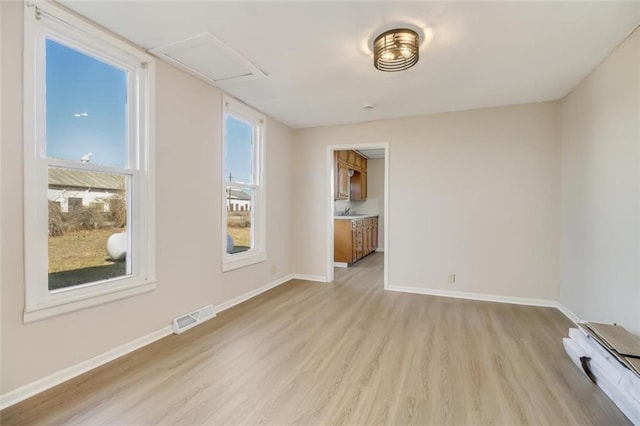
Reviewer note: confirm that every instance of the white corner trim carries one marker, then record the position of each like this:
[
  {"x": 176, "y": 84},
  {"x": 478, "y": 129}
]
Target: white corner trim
[
  {"x": 41, "y": 385},
  {"x": 568, "y": 313},
  {"x": 317, "y": 278},
  {"x": 251, "y": 294},
  {"x": 476, "y": 296}
]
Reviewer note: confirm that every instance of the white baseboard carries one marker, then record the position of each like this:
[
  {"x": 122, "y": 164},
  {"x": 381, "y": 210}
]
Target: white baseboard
[
  {"x": 33, "y": 388},
  {"x": 41, "y": 385},
  {"x": 491, "y": 298},
  {"x": 568, "y": 313},
  {"x": 340, "y": 265},
  {"x": 318, "y": 278},
  {"x": 380, "y": 250},
  {"x": 476, "y": 296},
  {"x": 253, "y": 293}
]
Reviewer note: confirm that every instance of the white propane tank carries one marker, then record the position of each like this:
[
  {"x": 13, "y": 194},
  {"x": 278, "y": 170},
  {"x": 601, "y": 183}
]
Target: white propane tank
[
  {"x": 230, "y": 243},
  {"x": 117, "y": 246}
]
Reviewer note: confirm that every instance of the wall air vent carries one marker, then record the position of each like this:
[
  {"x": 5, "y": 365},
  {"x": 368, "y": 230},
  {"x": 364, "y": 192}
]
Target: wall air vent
[
  {"x": 185, "y": 322},
  {"x": 208, "y": 58}
]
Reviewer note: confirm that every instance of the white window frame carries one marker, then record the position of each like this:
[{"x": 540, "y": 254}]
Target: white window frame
[
  {"x": 258, "y": 253},
  {"x": 46, "y": 20}
]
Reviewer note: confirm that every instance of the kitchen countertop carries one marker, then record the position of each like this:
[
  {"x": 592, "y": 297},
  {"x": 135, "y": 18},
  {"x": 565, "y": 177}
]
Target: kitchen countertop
[{"x": 356, "y": 216}]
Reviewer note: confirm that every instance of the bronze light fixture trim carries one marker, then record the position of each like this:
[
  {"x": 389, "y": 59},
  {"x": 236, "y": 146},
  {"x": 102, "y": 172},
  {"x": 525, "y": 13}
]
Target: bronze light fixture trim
[{"x": 396, "y": 50}]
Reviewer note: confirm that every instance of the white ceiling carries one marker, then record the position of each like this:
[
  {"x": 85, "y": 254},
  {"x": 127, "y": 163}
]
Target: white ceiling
[{"x": 320, "y": 72}]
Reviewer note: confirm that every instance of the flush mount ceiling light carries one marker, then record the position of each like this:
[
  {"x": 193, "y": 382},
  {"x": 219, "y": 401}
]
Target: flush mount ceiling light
[{"x": 396, "y": 50}]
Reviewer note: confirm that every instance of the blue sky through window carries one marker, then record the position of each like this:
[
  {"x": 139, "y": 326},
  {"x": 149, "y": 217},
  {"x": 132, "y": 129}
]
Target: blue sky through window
[
  {"x": 239, "y": 150},
  {"x": 86, "y": 113},
  {"x": 86, "y": 107}
]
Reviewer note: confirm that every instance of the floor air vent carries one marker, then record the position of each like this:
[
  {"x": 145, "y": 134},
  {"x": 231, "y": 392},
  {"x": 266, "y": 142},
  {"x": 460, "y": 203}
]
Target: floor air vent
[{"x": 185, "y": 322}]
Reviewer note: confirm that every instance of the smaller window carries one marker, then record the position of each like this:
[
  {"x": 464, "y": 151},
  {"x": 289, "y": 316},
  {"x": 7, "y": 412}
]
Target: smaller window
[
  {"x": 97, "y": 206},
  {"x": 75, "y": 204},
  {"x": 243, "y": 186}
]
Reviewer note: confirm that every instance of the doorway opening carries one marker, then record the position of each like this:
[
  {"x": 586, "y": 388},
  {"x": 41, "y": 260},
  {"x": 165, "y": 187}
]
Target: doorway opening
[{"x": 358, "y": 198}]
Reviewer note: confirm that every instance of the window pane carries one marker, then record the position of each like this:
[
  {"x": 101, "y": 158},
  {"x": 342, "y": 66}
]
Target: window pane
[
  {"x": 238, "y": 151},
  {"x": 86, "y": 101},
  {"x": 87, "y": 227},
  {"x": 239, "y": 219}
]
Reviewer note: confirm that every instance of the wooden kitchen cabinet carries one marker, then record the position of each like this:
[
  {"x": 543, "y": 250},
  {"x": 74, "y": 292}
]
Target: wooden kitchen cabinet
[
  {"x": 341, "y": 191},
  {"x": 358, "y": 252},
  {"x": 352, "y": 187},
  {"x": 374, "y": 234},
  {"x": 358, "y": 186},
  {"x": 351, "y": 158},
  {"x": 355, "y": 249},
  {"x": 344, "y": 241},
  {"x": 357, "y": 164},
  {"x": 366, "y": 236},
  {"x": 370, "y": 235},
  {"x": 363, "y": 186},
  {"x": 353, "y": 239}
]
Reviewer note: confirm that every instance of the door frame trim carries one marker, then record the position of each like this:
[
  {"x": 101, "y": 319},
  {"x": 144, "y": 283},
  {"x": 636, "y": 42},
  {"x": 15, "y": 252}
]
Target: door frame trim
[{"x": 329, "y": 203}]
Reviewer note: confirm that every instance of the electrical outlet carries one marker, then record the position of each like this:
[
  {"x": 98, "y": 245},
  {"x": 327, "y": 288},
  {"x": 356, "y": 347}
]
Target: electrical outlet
[{"x": 452, "y": 278}]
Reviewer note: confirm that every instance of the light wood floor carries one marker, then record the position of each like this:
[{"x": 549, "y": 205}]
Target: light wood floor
[{"x": 341, "y": 353}]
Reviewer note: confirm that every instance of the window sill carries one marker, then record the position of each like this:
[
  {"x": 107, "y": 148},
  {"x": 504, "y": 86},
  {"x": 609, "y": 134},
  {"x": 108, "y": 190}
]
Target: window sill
[
  {"x": 51, "y": 309},
  {"x": 230, "y": 263}
]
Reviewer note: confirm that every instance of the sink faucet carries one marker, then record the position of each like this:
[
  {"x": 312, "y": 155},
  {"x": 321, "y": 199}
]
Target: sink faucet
[{"x": 346, "y": 210}]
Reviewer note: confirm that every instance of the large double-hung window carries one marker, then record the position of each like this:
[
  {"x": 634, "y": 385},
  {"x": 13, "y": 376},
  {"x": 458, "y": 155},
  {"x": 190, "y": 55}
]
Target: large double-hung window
[
  {"x": 89, "y": 213},
  {"x": 243, "y": 212}
]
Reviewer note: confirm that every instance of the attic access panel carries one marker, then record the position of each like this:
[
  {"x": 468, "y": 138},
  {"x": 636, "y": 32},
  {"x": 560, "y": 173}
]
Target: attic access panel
[{"x": 209, "y": 59}]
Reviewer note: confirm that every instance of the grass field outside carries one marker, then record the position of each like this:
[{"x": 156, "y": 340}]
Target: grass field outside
[
  {"x": 241, "y": 236},
  {"x": 79, "y": 257},
  {"x": 80, "y": 249},
  {"x": 239, "y": 227}
]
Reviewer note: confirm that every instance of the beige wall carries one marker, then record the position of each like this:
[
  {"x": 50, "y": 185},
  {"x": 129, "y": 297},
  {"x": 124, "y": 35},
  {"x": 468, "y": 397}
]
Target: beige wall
[
  {"x": 188, "y": 148},
  {"x": 473, "y": 193},
  {"x": 600, "y": 280}
]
